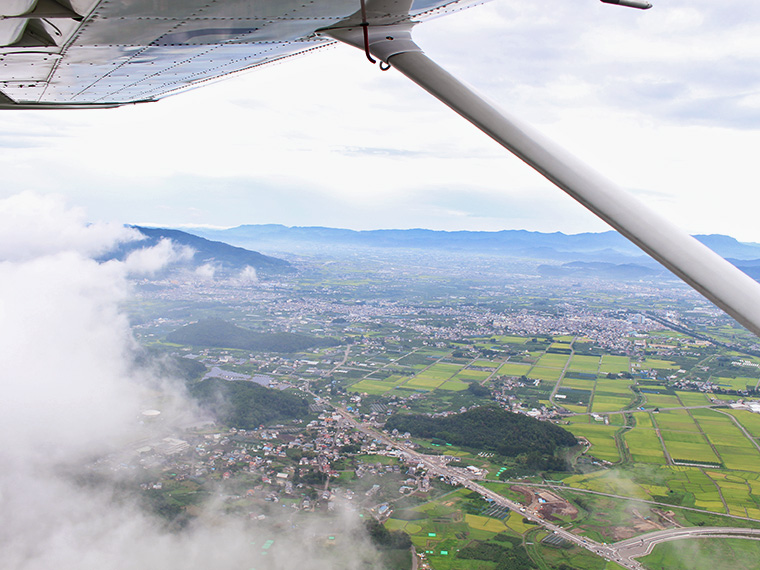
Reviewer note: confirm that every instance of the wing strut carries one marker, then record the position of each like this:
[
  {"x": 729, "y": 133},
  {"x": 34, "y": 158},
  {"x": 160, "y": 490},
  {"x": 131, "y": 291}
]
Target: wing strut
[{"x": 717, "y": 279}]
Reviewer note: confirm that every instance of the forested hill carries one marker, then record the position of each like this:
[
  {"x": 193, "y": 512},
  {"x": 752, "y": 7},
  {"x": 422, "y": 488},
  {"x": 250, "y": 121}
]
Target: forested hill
[
  {"x": 221, "y": 334},
  {"x": 488, "y": 428},
  {"x": 225, "y": 258},
  {"x": 246, "y": 405}
]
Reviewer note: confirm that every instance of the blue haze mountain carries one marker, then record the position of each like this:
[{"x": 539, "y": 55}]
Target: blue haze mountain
[{"x": 605, "y": 254}]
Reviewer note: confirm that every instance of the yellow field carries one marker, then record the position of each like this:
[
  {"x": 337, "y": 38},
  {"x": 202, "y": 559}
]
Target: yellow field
[{"x": 485, "y": 523}]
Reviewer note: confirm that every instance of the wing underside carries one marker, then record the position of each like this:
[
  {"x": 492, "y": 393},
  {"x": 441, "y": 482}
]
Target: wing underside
[{"x": 83, "y": 53}]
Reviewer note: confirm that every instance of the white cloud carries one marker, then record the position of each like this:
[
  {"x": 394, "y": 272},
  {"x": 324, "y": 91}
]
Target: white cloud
[
  {"x": 64, "y": 347},
  {"x": 205, "y": 272},
  {"x": 248, "y": 276},
  {"x": 149, "y": 260},
  {"x": 71, "y": 393},
  {"x": 47, "y": 227}
]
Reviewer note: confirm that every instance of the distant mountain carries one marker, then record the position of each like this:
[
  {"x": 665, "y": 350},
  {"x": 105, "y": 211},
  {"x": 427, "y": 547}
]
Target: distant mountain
[
  {"x": 224, "y": 257},
  {"x": 610, "y": 247},
  {"x": 729, "y": 247}
]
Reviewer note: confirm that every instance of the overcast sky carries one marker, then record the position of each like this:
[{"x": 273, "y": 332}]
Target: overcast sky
[{"x": 665, "y": 102}]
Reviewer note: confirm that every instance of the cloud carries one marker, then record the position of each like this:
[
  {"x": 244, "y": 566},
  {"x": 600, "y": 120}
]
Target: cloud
[
  {"x": 64, "y": 345},
  {"x": 34, "y": 226},
  {"x": 205, "y": 272},
  {"x": 71, "y": 407},
  {"x": 248, "y": 276},
  {"x": 150, "y": 260}
]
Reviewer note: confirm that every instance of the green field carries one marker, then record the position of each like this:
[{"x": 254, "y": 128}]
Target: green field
[
  {"x": 442, "y": 371},
  {"x": 513, "y": 369},
  {"x": 698, "y": 489},
  {"x": 678, "y": 420},
  {"x": 693, "y": 398},
  {"x": 738, "y": 491},
  {"x": 509, "y": 339},
  {"x": 614, "y": 364},
  {"x": 582, "y": 363},
  {"x": 454, "y": 385},
  {"x": 424, "y": 382},
  {"x": 376, "y": 386},
  {"x": 644, "y": 446},
  {"x": 440, "y": 528},
  {"x": 687, "y": 447},
  {"x": 704, "y": 554},
  {"x": 546, "y": 374},
  {"x": 738, "y": 383},
  {"x": 472, "y": 375},
  {"x": 750, "y": 421},
  {"x": 601, "y": 437},
  {"x": 604, "y": 403},
  {"x": 578, "y": 384},
  {"x": 485, "y": 364},
  {"x": 736, "y": 451},
  {"x": 612, "y": 395},
  {"x": 617, "y": 387},
  {"x": 661, "y": 401},
  {"x": 553, "y": 360}
]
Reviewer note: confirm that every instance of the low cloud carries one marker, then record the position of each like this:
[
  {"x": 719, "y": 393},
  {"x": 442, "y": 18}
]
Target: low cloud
[
  {"x": 248, "y": 276},
  {"x": 34, "y": 226},
  {"x": 205, "y": 272},
  {"x": 150, "y": 260},
  {"x": 72, "y": 395}
]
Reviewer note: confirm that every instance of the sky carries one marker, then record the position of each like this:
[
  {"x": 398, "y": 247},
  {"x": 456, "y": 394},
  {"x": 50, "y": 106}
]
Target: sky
[{"x": 665, "y": 102}]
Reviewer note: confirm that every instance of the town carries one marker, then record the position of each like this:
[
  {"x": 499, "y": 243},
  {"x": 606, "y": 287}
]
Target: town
[{"x": 611, "y": 372}]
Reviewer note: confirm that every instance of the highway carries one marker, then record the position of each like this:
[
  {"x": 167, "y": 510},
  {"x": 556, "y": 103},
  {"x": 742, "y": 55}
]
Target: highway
[
  {"x": 438, "y": 466},
  {"x": 643, "y": 545},
  {"x": 623, "y": 552}
]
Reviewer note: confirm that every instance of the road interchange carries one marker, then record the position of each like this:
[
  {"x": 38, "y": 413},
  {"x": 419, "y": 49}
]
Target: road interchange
[{"x": 623, "y": 553}]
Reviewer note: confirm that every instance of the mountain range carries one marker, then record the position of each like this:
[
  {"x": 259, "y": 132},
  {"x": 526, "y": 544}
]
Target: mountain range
[
  {"x": 509, "y": 242},
  {"x": 603, "y": 255},
  {"x": 606, "y": 254}
]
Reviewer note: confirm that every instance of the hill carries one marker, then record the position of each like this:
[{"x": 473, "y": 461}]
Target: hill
[
  {"x": 246, "y": 405},
  {"x": 224, "y": 257},
  {"x": 221, "y": 334},
  {"x": 488, "y": 428}
]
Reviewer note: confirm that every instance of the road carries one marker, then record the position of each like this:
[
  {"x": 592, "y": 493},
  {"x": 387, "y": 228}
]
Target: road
[
  {"x": 643, "y": 545},
  {"x": 624, "y": 552},
  {"x": 438, "y": 466}
]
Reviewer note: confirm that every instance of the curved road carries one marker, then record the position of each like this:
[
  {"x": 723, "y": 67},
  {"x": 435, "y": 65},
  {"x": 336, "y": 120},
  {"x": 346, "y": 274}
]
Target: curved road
[
  {"x": 623, "y": 552},
  {"x": 643, "y": 545}
]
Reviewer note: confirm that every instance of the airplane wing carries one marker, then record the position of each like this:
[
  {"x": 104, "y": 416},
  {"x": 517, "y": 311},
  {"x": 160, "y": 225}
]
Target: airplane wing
[{"x": 106, "y": 53}]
